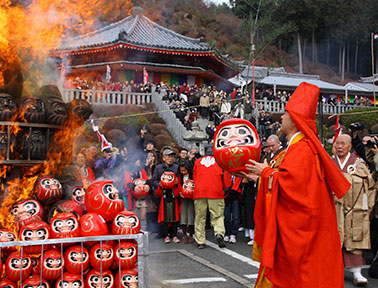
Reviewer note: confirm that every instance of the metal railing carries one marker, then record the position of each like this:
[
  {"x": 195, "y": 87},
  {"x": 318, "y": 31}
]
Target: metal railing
[
  {"x": 174, "y": 125},
  {"x": 141, "y": 238},
  {"x": 272, "y": 106},
  {"x": 106, "y": 97}
]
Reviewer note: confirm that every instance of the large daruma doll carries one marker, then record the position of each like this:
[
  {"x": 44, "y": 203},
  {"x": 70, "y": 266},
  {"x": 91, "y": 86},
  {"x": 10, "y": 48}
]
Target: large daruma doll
[
  {"x": 65, "y": 225},
  {"x": 127, "y": 278},
  {"x": 26, "y": 211},
  {"x": 35, "y": 231},
  {"x": 76, "y": 259},
  {"x": 126, "y": 255},
  {"x": 48, "y": 189},
  {"x": 103, "y": 198},
  {"x": 235, "y": 142}
]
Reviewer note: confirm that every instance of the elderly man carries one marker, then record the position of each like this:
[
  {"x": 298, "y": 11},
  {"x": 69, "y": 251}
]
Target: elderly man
[
  {"x": 354, "y": 208},
  {"x": 275, "y": 148},
  {"x": 300, "y": 245}
]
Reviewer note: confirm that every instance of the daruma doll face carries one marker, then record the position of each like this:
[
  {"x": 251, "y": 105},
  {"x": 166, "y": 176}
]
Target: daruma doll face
[
  {"x": 168, "y": 180},
  {"x": 126, "y": 222},
  {"x": 235, "y": 142}
]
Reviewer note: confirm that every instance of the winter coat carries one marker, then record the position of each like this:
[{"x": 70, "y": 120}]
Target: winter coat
[{"x": 352, "y": 213}]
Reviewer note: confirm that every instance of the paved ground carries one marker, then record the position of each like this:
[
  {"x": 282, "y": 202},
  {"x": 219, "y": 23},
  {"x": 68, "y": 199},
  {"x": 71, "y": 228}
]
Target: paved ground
[{"x": 184, "y": 265}]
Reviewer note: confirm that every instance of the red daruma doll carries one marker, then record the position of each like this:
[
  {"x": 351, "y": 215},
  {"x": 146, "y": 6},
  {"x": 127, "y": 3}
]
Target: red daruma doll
[
  {"x": 48, "y": 189},
  {"x": 35, "y": 231},
  {"x": 126, "y": 255},
  {"x": 26, "y": 211},
  {"x": 35, "y": 281},
  {"x": 95, "y": 279},
  {"x": 5, "y": 283},
  {"x": 65, "y": 225},
  {"x": 235, "y": 142},
  {"x": 103, "y": 198},
  {"x": 16, "y": 268},
  {"x": 7, "y": 236},
  {"x": 69, "y": 281},
  {"x": 128, "y": 278},
  {"x": 126, "y": 222},
  {"x": 76, "y": 258},
  {"x": 52, "y": 264},
  {"x": 101, "y": 256}
]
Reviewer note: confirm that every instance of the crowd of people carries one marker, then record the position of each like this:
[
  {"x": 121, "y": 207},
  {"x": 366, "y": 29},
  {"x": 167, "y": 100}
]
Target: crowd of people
[{"x": 227, "y": 202}]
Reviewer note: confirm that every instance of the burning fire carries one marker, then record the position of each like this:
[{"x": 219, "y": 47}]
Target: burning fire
[{"x": 37, "y": 26}]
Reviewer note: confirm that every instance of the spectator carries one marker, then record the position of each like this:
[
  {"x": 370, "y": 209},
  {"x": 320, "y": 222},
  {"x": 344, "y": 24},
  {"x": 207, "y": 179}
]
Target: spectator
[
  {"x": 225, "y": 108},
  {"x": 83, "y": 173},
  {"x": 231, "y": 210},
  {"x": 210, "y": 132},
  {"x": 91, "y": 155},
  {"x": 353, "y": 210},
  {"x": 204, "y": 105},
  {"x": 209, "y": 184},
  {"x": 187, "y": 204}
]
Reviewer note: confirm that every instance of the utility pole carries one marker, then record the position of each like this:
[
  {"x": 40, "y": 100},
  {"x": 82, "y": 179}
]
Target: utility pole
[{"x": 252, "y": 54}]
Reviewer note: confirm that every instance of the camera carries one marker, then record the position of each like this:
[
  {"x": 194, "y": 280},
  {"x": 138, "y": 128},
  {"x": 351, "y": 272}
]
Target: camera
[
  {"x": 371, "y": 143},
  {"x": 356, "y": 126}
]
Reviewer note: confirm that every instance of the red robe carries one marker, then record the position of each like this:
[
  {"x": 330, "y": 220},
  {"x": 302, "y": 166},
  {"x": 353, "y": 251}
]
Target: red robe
[{"x": 301, "y": 246}]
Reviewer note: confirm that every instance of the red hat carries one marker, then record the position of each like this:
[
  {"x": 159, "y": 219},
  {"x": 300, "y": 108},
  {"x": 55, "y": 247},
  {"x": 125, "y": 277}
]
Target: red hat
[{"x": 302, "y": 109}]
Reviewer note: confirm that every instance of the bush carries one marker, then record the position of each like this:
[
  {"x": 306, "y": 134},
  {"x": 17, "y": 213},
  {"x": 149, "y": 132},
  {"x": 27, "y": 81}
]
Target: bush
[{"x": 365, "y": 116}]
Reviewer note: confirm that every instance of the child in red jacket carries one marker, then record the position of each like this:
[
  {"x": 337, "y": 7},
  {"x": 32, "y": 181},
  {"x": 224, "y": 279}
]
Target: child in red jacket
[{"x": 169, "y": 213}]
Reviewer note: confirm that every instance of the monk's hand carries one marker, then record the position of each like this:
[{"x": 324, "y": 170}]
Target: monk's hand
[
  {"x": 248, "y": 176},
  {"x": 256, "y": 167}
]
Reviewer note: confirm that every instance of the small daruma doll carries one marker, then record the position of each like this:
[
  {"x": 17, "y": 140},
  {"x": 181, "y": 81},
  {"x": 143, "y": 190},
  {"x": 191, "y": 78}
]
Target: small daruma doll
[
  {"x": 65, "y": 225},
  {"x": 103, "y": 198},
  {"x": 5, "y": 283},
  {"x": 7, "y": 236},
  {"x": 126, "y": 255},
  {"x": 48, "y": 189},
  {"x": 26, "y": 211},
  {"x": 141, "y": 189},
  {"x": 52, "y": 264},
  {"x": 35, "y": 281},
  {"x": 126, "y": 222},
  {"x": 101, "y": 255},
  {"x": 188, "y": 189},
  {"x": 128, "y": 278},
  {"x": 17, "y": 268},
  {"x": 35, "y": 231},
  {"x": 70, "y": 281},
  {"x": 78, "y": 195},
  {"x": 95, "y": 278},
  {"x": 76, "y": 258},
  {"x": 235, "y": 142},
  {"x": 168, "y": 180}
]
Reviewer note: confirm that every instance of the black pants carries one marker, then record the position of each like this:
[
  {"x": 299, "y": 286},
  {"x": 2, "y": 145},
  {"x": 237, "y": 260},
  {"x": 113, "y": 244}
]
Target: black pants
[{"x": 170, "y": 229}]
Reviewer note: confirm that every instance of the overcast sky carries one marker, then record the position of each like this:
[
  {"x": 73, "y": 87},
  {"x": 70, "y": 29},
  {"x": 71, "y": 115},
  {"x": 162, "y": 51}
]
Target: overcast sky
[{"x": 218, "y": 1}]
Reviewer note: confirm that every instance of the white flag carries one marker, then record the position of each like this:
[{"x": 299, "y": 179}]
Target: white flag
[{"x": 108, "y": 71}]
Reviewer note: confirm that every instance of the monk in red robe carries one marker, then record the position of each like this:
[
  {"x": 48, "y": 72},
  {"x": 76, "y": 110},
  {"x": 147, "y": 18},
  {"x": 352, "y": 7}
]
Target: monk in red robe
[{"x": 300, "y": 242}]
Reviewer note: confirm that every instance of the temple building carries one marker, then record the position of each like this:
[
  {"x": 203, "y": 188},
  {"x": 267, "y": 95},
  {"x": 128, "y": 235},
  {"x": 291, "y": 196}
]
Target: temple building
[{"x": 126, "y": 47}]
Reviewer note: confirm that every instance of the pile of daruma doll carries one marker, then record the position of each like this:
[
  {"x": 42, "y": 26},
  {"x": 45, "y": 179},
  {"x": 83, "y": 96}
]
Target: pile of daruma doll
[{"x": 95, "y": 212}]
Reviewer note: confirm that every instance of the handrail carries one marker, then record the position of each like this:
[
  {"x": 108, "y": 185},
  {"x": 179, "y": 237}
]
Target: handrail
[{"x": 106, "y": 97}]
